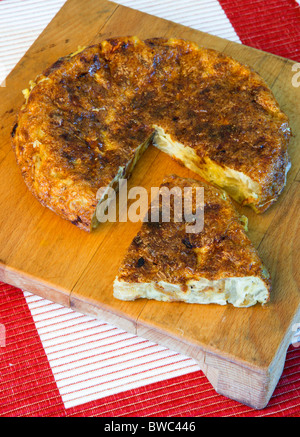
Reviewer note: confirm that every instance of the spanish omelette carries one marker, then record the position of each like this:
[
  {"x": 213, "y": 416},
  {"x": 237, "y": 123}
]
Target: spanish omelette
[
  {"x": 216, "y": 265},
  {"x": 89, "y": 117}
]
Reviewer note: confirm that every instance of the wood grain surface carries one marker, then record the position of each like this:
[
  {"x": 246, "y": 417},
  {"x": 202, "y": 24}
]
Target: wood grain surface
[{"x": 242, "y": 351}]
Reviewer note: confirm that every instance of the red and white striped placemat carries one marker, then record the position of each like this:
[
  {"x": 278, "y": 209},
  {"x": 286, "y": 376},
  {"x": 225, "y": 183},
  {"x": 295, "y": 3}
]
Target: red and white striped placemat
[{"x": 57, "y": 362}]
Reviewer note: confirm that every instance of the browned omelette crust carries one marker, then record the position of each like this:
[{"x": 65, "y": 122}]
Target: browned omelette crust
[
  {"x": 164, "y": 251},
  {"x": 88, "y": 113}
]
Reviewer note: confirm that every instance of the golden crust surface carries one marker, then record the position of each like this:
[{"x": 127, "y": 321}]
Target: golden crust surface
[
  {"x": 87, "y": 114},
  {"x": 164, "y": 251}
]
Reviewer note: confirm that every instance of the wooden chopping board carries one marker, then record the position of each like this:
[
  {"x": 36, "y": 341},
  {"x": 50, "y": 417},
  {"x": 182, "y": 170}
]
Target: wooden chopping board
[{"x": 241, "y": 351}]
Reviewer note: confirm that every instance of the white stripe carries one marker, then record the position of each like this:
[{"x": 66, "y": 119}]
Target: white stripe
[
  {"x": 205, "y": 15},
  {"x": 21, "y": 22},
  {"x": 91, "y": 359}
]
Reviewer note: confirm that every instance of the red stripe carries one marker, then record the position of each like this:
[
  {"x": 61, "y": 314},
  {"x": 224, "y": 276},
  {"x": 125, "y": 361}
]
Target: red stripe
[
  {"x": 269, "y": 25},
  {"x": 27, "y": 385}
]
